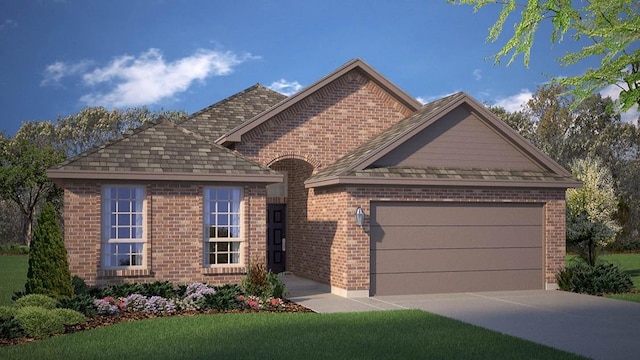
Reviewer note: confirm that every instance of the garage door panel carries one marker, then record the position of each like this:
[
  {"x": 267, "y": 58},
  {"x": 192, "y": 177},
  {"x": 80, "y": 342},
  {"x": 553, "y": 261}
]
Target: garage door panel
[
  {"x": 456, "y": 214},
  {"x": 423, "y": 247},
  {"x": 450, "y": 282},
  {"x": 445, "y": 237},
  {"x": 411, "y": 261}
]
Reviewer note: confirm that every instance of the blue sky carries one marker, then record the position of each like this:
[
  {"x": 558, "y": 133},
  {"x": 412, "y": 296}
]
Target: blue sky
[{"x": 59, "y": 56}]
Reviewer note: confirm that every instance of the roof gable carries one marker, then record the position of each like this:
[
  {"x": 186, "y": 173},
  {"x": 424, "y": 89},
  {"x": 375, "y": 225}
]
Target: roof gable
[
  {"x": 414, "y": 147},
  {"x": 163, "y": 151},
  {"x": 235, "y": 135},
  {"x": 217, "y": 119}
]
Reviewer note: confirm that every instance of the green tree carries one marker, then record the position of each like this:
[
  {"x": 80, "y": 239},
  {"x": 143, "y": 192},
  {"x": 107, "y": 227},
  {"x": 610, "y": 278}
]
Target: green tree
[
  {"x": 591, "y": 222},
  {"x": 23, "y": 162},
  {"x": 611, "y": 29},
  {"x": 48, "y": 272}
]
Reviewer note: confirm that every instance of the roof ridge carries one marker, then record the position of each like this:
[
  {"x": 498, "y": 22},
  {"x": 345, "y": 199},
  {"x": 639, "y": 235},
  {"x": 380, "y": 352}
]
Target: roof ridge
[{"x": 226, "y": 100}]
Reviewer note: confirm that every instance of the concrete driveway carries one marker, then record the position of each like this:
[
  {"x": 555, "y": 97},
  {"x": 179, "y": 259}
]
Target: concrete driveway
[{"x": 591, "y": 326}]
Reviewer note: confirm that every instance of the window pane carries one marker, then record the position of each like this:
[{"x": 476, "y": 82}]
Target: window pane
[
  {"x": 223, "y": 207},
  {"x": 222, "y": 194},
  {"x": 124, "y": 206},
  {"x": 212, "y": 259},
  {"x": 223, "y": 246},
  {"x": 223, "y": 232},
  {"x": 222, "y": 258},
  {"x": 124, "y": 193},
  {"x": 136, "y": 260},
  {"x": 112, "y": 233},
  {"x": 223, "y": 219},
  {"x": 124, "y": 233},
  {"x": 137, "y": 248},
  {"x": 124, "y": 220},
  {"x": 113, "y": 205},
  {"x": 235, "y": 219},
  {"x": 235, "y": 232},
  {"x": 235, "y": 246},
  {"x": 212, "y": 247},
  {"x": 235, "y": 200},
  {"x": 235, "y": 258},
  {"x": 137, "y": 219}
]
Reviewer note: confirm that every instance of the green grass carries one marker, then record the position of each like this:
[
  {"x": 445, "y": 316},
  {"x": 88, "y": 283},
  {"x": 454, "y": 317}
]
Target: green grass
[
  {"x": 389, "y": 334},
  {"x": 13, "y": 276}
]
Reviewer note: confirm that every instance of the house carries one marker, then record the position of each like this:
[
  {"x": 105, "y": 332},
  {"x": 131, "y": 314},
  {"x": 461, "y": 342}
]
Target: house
[{"x": 453, "y": 199}]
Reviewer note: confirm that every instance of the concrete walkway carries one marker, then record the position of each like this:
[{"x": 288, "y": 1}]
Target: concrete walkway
[{"x": 591, "y": 326}]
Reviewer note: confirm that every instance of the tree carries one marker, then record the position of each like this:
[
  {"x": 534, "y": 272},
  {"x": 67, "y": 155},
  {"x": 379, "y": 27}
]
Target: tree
[
  {"x": 48, "y": 265},
  {"x": 611, "y": 28},
  {"x": 23, "y": 162},
  {"x": 590, "y": 209},
  {"x": 95, "y": 126}
]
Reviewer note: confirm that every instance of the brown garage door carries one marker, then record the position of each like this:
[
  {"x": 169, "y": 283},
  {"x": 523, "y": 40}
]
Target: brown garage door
[{"x": 422, "y": 248}]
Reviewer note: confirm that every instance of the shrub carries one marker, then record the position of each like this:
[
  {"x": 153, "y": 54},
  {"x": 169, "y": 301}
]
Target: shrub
[
  {"x": 163, "y": 289},
  {"x": 69, "y": 317},
  {"x": 6, "y": 312},
  {"x": 14, "y": 249},
  {"x": 109, "y": 305},
  {"x": 10, "y": 328},
  {"x": 79, "y": 285},
  {"x": 159, "y": 305},
  {"x": 81, "y": 303},
  {"x": 39, "y": 322},
  {"x": 40, "y": 300},
  {"x": 48, "y": 267},
  {"x": 277, "y": 286},
  {"x": 594, "y": 280},
  {"x": 193, "y": 296},
  {"x": 226, "y": 297},
  {"x": 256, "y": 283},
  {"x": 116, "y": 291}
]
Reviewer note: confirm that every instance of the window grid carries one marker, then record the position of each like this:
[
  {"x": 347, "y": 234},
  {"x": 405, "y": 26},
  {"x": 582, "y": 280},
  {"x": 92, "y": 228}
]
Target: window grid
[
  {"x": 123, "y": 226},
  {"x": 222, "y": 226}
]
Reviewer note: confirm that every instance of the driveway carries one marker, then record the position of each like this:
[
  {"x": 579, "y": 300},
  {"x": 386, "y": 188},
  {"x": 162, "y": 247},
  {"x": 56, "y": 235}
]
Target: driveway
[{"x": 591, "y": 326}]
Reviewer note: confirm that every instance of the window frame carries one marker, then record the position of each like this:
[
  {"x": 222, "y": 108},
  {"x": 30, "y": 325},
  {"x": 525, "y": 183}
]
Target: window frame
[
  {"x": 206, "y": 226},
  {"x": 106, "y": 225}
]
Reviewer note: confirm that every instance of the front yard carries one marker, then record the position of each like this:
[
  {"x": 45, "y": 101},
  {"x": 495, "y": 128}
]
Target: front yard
[{"x": 374, "y": 335}]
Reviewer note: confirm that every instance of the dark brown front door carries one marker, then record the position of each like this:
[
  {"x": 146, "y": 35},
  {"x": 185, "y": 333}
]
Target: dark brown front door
[{"x": 276, "y": 237}]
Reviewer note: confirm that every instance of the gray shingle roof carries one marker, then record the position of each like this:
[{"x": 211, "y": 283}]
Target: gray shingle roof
[
  {"x": 460, "y": 174},
  {"x": 162, "y": 148},
  {"x": 219, "y": 118}
]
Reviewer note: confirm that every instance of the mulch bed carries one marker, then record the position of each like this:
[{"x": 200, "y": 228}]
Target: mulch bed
[{"x": 100, "y": 321}]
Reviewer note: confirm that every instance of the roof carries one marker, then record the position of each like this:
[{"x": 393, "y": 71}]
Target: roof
[
  {"x": 235, "y": 134},
  {"x": 163, "y": 151},
  {"x": 219, "y": 118},
  {"x": 353, "y": 168}
]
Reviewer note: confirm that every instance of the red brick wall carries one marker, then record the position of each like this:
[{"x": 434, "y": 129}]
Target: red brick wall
[
  {"x": 325, "y": 126},
  {"x": 349, "y": 251},
  {"x": 174, "y": 249}
]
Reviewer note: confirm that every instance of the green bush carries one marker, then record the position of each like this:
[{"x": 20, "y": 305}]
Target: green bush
[
  {"x": 163, "y": 289},
  {"x": 262, "y": 283},
  {"x": 225, "y": 298},
  {"x": 10, "y": 328},
  {"x": 69, "y": 317},
  {"x": 48, "y": 267},
  {"x": 80, "y": 303},
  {"x": 39, "y": 300},
  {"x": 39, "y": 322},
  {"x": 116, "y": 291},
  {"x": 599, "y": 279},
  {"x": 14, "y": 249},
  {"x": 6, "y": 312},
  {"x": 79, "y": 286}
]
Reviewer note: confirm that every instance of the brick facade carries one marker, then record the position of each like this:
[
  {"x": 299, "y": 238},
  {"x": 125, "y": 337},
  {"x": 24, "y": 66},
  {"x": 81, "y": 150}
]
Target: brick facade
[{"x": 174, "y": 234}]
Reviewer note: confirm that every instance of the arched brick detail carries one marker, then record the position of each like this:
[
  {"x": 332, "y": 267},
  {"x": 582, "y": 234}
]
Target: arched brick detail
[{"x": 307, "y": 158}]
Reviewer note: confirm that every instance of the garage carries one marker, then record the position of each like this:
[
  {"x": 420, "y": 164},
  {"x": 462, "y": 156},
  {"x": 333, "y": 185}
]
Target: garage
[{"x": 443, "y": 247}]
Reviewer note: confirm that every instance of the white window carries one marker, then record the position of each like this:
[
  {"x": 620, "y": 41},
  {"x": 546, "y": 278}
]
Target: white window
[
  {"x": 222, "y": 230},
  {"x": 123, "y": 234}
]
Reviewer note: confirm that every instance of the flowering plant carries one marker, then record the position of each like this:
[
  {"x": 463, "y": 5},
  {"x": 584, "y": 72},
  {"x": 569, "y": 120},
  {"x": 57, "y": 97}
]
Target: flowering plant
[{"x": 109, "y": 305}]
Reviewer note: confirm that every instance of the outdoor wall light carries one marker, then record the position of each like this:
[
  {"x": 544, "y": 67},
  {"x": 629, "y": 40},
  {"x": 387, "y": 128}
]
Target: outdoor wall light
[{"x": 359, "y": 216}]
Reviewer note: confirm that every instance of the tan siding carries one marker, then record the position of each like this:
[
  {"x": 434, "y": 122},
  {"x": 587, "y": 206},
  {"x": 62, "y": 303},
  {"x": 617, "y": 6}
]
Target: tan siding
[{"x": 459, "y": 140}]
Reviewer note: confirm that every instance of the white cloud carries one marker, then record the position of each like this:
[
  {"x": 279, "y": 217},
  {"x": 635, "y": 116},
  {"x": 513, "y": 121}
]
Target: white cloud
[
  {"x": 148, "y": 78},
  {"x": 632, "y": 115},
  {"x": 54, "y": 73},
  {"x": 515, "y": 102},
  {"x": 477, "y": 74},
  {"x": 285, "y": 87},
  {"x": 422, "y": 100}
]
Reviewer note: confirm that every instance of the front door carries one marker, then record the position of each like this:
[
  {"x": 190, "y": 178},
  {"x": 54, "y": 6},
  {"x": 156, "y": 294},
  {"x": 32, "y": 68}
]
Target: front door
[{"x": 276, "y": 233}]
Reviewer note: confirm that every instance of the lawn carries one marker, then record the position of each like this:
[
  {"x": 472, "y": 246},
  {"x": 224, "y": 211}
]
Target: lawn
[
  {"x": 389, "y": 334},
  {"x": 13, "y": 275}
]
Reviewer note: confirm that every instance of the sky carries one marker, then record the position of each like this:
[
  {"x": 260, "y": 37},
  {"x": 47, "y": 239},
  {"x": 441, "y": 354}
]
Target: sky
[{"x": 60, "y": 56}]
